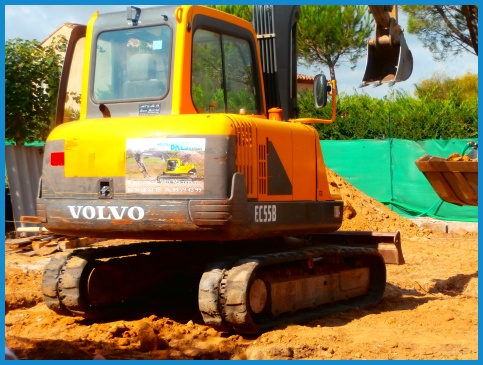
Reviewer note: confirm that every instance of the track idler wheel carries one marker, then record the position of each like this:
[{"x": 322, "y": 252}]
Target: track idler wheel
[{"x": 50, "y": 281}]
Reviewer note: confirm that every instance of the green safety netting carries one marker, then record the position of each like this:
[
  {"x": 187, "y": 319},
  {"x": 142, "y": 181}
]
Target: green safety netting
[{"x": 386, "y": 171}]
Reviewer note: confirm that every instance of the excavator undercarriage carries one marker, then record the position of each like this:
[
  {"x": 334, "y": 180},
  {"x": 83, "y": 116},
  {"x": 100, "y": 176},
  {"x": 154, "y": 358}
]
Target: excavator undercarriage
[{"x": 249, "y": 287}]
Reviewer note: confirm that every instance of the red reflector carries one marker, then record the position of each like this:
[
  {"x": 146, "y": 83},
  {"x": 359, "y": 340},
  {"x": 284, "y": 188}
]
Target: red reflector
[{"x": 57, "y": 159}]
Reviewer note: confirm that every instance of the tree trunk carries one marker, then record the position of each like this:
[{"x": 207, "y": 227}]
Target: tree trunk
[
  {"x": 18, "y": 133},
  {"x": 471, "y": 14}
]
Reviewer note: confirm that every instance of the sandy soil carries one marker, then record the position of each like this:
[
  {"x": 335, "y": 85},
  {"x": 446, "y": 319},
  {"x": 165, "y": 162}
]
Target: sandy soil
[{"x": 429, "y": 310}]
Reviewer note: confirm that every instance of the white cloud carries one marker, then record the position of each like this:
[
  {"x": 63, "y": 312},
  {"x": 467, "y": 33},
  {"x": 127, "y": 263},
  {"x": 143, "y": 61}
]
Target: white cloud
[
  {"x": 19, "y": 20},
  {"x": 47, "y": 18}
]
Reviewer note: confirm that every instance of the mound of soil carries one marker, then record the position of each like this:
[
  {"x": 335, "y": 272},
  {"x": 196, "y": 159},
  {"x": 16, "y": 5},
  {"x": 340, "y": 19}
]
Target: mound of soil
[
  {"x": 457, "y": 157},
  {"x": 363, "y": 213}
]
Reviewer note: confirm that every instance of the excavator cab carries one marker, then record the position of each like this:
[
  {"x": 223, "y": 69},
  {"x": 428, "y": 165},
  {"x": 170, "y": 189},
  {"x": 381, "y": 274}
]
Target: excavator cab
[
  {"x": 389, "y": 59},
  {"x": 175, "y": 167},
  {"x": 171, "y": 165}
]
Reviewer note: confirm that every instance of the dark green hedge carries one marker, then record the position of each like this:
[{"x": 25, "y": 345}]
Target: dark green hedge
[{"x": 398, "y": 116}]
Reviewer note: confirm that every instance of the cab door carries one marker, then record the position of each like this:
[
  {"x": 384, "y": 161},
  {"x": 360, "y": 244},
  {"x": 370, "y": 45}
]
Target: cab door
[{"x": 68, "y": 101}]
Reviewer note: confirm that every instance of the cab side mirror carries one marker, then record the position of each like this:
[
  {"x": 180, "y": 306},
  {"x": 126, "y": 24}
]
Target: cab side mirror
[{"x": 320, "y": 91}]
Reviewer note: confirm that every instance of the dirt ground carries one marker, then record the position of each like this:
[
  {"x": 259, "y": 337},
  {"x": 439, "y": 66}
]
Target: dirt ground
[{"x": 429, "y": 310}]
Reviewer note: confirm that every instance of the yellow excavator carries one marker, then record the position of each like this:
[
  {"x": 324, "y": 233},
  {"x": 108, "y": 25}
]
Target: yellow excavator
[
  {"x": 175, "y": 167},
  {"x": 257, "y": 235}
]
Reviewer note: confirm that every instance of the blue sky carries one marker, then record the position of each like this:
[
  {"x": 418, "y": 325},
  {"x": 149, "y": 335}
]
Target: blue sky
[{"x": 39, "y": 21}]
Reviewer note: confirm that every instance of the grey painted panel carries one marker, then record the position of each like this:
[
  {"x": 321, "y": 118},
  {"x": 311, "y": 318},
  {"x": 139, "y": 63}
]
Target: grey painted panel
[{"x": 24, "y": 168}]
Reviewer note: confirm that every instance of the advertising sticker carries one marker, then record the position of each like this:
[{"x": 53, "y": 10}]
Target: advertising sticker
[{"x": 169, "y": 166}]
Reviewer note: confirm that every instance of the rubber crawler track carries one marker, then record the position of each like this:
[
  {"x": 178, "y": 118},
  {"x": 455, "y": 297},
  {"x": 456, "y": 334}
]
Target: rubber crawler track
[
  {"x": 64, "y": 279},
  {"x": 50, "y": 281},
  {"x": 230, "y": 299}
]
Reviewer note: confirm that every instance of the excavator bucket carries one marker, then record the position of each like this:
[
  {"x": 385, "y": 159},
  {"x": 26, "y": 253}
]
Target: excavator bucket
[
  {"x": 387, "y": 63},
  {"x": 455, "y": 182}
]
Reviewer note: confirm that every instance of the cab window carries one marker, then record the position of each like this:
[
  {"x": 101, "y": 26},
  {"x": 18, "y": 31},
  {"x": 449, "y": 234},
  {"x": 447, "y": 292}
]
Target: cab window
[
  {"x": 132, "y": 64},
  {"x": 222, "y": 74}
]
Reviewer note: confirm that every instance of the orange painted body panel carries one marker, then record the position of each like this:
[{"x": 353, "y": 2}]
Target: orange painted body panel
[
  {"x": 281, "y": 138},
  {"x": 298, "y": 148},
  {"x": 182, "y": 103},
  {"x": 304, "y": 163}
]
